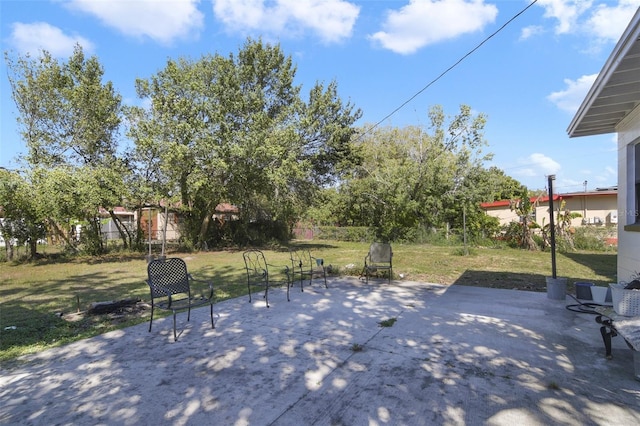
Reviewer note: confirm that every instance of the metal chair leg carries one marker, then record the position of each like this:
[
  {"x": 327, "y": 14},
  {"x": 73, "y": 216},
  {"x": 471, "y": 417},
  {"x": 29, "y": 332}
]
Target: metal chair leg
[
  {"x": 175, "y": 334},
  {"x": 151, "y": 319},
  {"x": 211, "y": 314}
]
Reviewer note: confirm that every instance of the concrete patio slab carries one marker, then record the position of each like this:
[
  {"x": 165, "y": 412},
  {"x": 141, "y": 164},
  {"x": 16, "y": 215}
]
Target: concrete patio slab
[{"x": 455, "y": 356}]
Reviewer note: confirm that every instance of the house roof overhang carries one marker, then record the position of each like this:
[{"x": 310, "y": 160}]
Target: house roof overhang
[{"x": 616, "y": 90}]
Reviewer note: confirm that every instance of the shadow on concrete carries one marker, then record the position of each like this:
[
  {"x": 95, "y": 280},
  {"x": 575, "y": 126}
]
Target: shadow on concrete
[{"x": 455, "y": 355}]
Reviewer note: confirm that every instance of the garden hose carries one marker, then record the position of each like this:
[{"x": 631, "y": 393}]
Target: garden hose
[{"x": 583, "y": 308}]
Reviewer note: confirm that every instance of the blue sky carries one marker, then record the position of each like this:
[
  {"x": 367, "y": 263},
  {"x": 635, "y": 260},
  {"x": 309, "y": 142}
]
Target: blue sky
[{"x": 529, "y": 78}]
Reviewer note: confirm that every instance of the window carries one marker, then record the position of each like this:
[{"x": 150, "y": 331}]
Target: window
[
  {"x": 636, "y": 177},
  {"x": 631, "y": 200}
]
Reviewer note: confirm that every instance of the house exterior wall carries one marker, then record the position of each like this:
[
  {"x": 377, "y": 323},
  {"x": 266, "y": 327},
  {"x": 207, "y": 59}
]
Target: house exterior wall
[
  {"x": 172, "y": 226},
  {"x": 2, "y": 242},
  {"x": 595, "y": 209},
  {"x": 628, "y": 239},
  {"x": 149, "y": 223},
  {"x": 110, "y": 230},
  {"x": 542, "y": 212},
  {"x": 158, "y": 219},
  {"x": 504, "y": 214},
  {"x": 603, "y": 206}
]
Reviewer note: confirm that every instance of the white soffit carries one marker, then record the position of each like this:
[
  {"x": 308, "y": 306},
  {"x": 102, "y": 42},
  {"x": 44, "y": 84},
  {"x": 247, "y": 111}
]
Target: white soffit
[{"x": 616, "y": 91}]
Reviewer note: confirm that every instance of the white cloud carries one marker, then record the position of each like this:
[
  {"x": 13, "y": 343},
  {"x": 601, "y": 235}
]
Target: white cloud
[
  {"x": 601, "y": 175},
  {"x": 163, "y": 21},
  {"x": 531, "y": 31},
  {"x": 538, "y": 165},
  {"x": 601, "y": 20},
  {"x": 570, "y": 185},
  {"x": 608, "y": 22},
  {"x": 424, "y": 22},
  {"x": 332, "y": 20},
  {"x": 34, "y": 37},
  {"x": 610, "y": 171},
  {"x": 571, "y": 97},
  {"x": 566, "y": 12}
]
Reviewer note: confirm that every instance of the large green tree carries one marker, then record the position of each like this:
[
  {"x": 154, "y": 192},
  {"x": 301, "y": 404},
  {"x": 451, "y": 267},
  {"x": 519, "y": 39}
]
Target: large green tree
[
  {"x": 236, "y": 129},
  {"x": 480, "y": 185},
  {"x": 415, "y": 177},
  {"x": 21, "y": 218},
  {"x": 69, "y": 120}
]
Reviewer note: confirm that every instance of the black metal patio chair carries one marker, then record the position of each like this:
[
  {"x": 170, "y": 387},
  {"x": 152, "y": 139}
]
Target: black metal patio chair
[
  {"x": 171, "y": 289},
  {"x": 305, "y": 266},
  {"x": 258, "y": 274},
  {"x": 379, "y": 258}
]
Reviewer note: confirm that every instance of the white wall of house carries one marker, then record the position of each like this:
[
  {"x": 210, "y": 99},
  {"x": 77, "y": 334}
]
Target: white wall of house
[
  {"x": 2, "y": 242},
  {"x": 130, "y": 220},
  {"x": 629, "y": 238},
  {"x": 172, "y": 226}
]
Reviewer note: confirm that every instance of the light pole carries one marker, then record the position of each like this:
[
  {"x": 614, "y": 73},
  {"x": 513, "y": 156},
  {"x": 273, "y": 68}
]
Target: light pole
[
  {"x": 164, "y": 228},
  {"x": 552, "y": 227},
  {"x": 149, "y": 256},
  {"x": 464, "y": 228}
]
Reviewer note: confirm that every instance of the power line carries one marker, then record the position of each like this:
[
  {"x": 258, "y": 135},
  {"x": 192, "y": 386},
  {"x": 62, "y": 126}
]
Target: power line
[{"x": 449, "y": 69}]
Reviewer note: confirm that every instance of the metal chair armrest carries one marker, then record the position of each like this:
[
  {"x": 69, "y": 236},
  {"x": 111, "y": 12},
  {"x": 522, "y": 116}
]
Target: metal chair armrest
[{"x": 208, "y": 283}]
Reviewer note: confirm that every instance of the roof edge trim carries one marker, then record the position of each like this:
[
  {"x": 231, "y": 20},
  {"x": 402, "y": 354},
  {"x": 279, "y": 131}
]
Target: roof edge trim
[{"x": 628, "y": 38}]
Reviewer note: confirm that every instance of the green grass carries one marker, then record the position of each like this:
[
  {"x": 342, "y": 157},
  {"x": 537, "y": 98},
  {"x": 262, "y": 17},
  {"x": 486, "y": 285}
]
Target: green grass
[
  {"x": 32, "y": 295},
  {"x": 388, "y": 322}
]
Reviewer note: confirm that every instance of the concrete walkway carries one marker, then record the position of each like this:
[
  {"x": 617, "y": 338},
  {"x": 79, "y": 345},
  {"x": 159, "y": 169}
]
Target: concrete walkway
[{"x": 455, "y": 356}]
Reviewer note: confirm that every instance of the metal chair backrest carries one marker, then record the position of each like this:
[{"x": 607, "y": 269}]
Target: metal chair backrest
[
  {"x": 167, "y": 277},
  {"x": 380, "y": 253},
  {"x": 256, "y": 266},
  {"x": 300, "y": 259}
]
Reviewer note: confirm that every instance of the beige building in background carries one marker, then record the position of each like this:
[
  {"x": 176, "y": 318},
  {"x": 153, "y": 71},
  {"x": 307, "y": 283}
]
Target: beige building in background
[{"x": 597, "y": 208}]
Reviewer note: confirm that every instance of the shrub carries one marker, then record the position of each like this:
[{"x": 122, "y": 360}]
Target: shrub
[
  {"x": 345, "y": 233},
  {"x": 461, "y": 251},
  {"x": 436, "y": 237},
  {"x": 591, "y": 238}
]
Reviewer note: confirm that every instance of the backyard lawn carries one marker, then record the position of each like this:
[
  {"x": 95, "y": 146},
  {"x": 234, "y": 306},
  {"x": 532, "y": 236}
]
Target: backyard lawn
[{"x": 42, "y": 303}]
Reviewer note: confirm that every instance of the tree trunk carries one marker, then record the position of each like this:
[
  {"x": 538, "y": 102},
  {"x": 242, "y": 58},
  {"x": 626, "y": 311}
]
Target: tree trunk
[
  {"x": 62, "y": 235},
  {"x": 121, "y": 229},
  {"x": 204, "y": 228},
  {"x": 33, "y": 247},
  {"x": 97, "y": 233},
  {"x": 9, "y": 247},
  {"x": 6, "y": 236},
  {"x": 139, "y": 232}
]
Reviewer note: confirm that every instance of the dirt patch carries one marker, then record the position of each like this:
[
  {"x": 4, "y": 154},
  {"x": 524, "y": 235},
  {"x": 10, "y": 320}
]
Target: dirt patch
[{"x": 117, "y": 316}]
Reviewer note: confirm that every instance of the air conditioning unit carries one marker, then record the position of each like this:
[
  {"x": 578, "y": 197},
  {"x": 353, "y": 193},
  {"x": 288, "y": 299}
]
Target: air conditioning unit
[{"x": 613, "y": 217}]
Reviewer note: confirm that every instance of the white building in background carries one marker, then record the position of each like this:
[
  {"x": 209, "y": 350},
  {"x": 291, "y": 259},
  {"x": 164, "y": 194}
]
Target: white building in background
[{"x": 1, "y": 239}]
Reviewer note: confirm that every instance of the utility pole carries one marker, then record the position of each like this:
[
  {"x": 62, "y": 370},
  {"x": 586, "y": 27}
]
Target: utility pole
[{"x": 585, "y": 200}]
